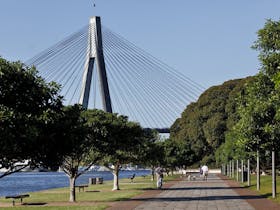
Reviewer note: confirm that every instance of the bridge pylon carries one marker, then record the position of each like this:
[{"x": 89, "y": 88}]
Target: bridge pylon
[{"x": 95, "y": 53}]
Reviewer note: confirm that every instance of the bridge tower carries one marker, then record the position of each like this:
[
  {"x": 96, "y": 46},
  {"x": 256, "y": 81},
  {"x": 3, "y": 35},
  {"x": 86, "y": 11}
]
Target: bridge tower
[{"x": 95, "y": 54}]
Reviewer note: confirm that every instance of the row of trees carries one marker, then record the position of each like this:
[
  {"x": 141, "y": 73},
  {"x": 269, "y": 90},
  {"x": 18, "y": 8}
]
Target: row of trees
[
  {"x": 38, "y": 131},
  {"x": 258, "y": 104},
  {"x": 239, "y": 119},
  {"x": 257, "y": 133},
  {"x": 239, "y": 116}
]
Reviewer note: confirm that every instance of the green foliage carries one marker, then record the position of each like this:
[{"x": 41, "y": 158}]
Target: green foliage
[
  {"x": 259, "y": 107},
  {"x": 203, "y": 124},
  {"x": 78, "y": 148},
  {"x": 177, "y": 154},
  {"x": 28, "y": 107},
  {"x": 122, "y": 140},
  {"x": 152, "y": 151}
]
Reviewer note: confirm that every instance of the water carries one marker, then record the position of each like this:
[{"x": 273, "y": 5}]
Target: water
[{"x": 35, "y": 181}]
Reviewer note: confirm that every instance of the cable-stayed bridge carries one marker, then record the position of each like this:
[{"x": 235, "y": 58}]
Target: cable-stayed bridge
[{"x": 101, "y": 69}]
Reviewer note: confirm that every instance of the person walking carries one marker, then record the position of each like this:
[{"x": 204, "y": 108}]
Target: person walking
[
  {"x": 159, "y": 174},
  {"x": 205, "y": 170}
]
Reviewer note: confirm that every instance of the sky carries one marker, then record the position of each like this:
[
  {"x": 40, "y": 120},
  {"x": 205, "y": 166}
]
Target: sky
[{"x": 207, "y": 41}]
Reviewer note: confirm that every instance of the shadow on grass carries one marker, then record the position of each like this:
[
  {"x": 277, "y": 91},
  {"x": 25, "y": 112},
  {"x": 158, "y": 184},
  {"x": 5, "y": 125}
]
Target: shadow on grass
[
  {"x": 267, "y": 195},
  {"x": 121, "y": 199},
  {"x": 34, "y": 204},
  {"x": 93, "y": 191}
]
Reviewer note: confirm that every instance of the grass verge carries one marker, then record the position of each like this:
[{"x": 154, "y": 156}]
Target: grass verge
[
  {"x": 96, "y": 197},
  {"x": 265, "y": 186}
]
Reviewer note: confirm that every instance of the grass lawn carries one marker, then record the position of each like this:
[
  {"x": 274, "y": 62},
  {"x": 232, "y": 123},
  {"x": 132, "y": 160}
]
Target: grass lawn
[
  {"x": 265, "y": 186},
  {"x": 95, "y": 196}
]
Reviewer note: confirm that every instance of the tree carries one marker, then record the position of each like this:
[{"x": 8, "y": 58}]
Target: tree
[
  {"x": 28, "y": 105},
  {"x": 231, "y": 149},
  {"x": 260, "y": 108},
  {"x": 80, "y": 139},
  {"x": 152, "y": 153},
  {"x": 203, "y": 125},
  {"x": 123, "y": 141}
]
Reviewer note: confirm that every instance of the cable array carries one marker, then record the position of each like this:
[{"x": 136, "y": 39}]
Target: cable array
[
  {"x": 141, "y": 86},
  {"x": 64, "y": 63}
]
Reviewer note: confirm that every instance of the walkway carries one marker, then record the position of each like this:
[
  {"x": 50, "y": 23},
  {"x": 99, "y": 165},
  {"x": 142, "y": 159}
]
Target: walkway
[{"x": 214, "y": 194}]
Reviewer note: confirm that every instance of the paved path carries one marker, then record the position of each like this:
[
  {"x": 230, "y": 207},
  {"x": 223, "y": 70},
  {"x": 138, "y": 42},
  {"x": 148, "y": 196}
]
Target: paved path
[
  {"x": 218, "y": 193},
  {"x": 213, "y": 194}
]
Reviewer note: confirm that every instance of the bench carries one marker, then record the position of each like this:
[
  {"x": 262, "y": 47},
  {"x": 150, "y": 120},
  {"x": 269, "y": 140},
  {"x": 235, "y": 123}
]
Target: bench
[
  {"x": 14, "y": 197},
  {"x": 132, "y": 177},
  {"x": 81, "y": 186}
]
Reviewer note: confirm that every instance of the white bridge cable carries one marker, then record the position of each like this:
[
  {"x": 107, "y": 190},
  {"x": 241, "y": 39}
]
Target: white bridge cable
[
  {"x": 126, "y": 92},
  {"x": 168, "y": 91},
  {"x": 116, "y": 80},
  {"x": 61, "y": 63},
  {"x": 55, "y": 49},
  {"x": 141, "y": 87},
  {"x": 64, "y": 63},
  {"x": 143, "y": 96},
  {"x": 137, "y": 68},
  {"x": 116, "y": 92},
  {"x": 144, "y": 92},
  {"x": 170, "y": 81},
  {"x": 195, "y": 86}
]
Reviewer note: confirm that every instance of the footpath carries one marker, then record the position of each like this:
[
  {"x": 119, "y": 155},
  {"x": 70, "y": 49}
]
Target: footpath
[{"x": 217, "y": 193}]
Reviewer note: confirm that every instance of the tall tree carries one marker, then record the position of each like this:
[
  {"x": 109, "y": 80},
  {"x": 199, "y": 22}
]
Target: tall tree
[
  {"x": 123, "y": 141},
  {"x": 27, "y": 105},
  {"x": 80, "y": 141},
  {"x": 260, "y": 109},
  {"x": 203, "y": 124},
  {"x": 152, "y": 153}
]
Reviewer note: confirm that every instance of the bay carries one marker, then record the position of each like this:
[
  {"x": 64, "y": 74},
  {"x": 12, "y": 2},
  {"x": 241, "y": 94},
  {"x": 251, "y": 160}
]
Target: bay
[{"x": 24, "y": 182}]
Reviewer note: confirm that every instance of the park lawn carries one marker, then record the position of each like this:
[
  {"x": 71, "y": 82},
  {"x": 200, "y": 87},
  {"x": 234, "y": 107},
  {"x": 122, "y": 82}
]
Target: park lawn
[
  {"x": 100, "y": 193},
  {"x": 265, "y": 186}
]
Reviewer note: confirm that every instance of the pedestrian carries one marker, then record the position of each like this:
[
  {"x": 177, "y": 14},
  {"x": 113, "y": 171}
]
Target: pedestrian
[
  {"x": 200, "y": 171},
  {"x": 159, "y": 175},
  {"x": 205, "y": 170}
]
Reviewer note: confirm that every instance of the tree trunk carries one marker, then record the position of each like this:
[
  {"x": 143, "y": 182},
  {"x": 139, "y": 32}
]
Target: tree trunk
[
  {"x": 249, "y": 173},
  {"x": 273, "y": 175},
  {"x": 237, "y": 170},
  {"x": 153, "y": 174},
  {"x": 72, "y": 181},
  {"x": 242, "y": 171},
  {"x": 116, "y": 178},
  {"x": 229, "y": 168},
  {"x": 258, "y": 171},
  {"x": 232, "y": 169}
]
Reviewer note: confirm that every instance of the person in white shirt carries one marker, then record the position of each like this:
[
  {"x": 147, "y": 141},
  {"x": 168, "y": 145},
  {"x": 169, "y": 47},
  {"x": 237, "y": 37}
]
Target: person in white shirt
[
  {"x": 159, "y": 173},
  {"x": 204, "y": 169}
]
